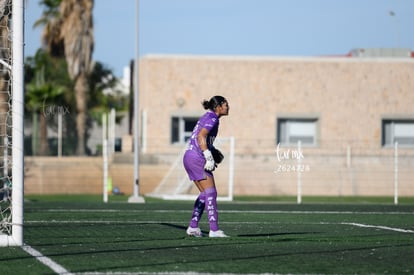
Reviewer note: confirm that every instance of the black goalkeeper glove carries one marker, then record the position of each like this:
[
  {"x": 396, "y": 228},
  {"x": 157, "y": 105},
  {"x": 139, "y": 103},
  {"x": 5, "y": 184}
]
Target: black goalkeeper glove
[{"x": 217, "y": 155}]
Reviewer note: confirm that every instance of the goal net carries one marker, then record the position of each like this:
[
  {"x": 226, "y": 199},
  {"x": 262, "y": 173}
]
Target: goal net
[
  {"x": 177, "y": 186},
  {"x": 11, "y": 122}
]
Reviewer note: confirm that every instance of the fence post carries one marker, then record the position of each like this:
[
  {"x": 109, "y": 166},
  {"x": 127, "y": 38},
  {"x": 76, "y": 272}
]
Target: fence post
[
  {"x": 299, "y": 198},
  {"x": 105, "y": 156},
  {"x": 60, "y": 134},
  {"x": 396, "y": 173},
  {"x": 348, "y": 173},
  {"x": 111, "y": 131},
  {"x": 105, "y": 169},
  {"x": 231, "y": 168}
]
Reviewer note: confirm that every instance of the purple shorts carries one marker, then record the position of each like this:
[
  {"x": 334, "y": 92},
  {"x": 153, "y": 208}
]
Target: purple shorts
[{"x": 194, "y": 165}]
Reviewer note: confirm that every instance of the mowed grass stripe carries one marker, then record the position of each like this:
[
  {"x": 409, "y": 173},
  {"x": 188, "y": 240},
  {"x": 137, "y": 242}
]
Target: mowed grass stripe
[
  {"x": 401, "y": 230},
  {"x": 235, "y": 211}
]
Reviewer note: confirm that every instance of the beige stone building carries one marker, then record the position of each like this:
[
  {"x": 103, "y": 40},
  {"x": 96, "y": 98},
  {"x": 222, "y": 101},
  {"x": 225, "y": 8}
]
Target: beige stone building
[{"x": 347, "y": 112}]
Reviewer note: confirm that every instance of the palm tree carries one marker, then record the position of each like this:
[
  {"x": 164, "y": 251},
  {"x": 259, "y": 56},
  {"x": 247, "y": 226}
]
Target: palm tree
[
  {"x": 68, "y": 31},
  {"x": 77, "y": 35},
  {"x": 46, "y": 84},
  {"x": 36, "y": 95},
  {"x": 52, "y": 24}
]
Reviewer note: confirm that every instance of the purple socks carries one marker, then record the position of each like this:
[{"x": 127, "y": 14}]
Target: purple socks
[
  {"x": 211, "y": 207},
  {"x": 207, "y": 200},
  {"x": 198, "y": 210}
]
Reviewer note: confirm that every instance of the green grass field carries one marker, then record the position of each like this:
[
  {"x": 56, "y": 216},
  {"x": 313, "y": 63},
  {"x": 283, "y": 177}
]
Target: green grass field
[{"x": 343, "y": 236}]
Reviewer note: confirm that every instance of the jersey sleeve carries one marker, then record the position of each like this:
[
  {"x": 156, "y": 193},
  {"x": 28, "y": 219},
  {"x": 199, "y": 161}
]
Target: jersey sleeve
[{"x": 209, "y": 122}]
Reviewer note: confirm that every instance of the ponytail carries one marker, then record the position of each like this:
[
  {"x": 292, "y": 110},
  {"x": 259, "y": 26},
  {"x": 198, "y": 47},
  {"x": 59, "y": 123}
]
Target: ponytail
[{"x": 213, "y": 102}]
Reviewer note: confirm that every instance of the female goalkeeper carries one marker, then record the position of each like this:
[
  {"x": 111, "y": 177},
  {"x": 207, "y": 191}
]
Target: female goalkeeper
[{"x": 199, "y": 163}]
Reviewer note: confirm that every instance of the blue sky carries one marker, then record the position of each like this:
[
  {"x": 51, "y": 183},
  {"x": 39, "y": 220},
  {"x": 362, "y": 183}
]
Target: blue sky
[{"x": 240, "y": 27}]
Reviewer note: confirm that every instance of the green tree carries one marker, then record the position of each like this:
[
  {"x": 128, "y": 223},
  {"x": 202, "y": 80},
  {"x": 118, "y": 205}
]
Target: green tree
[
  {"x": 68, "y": 32},
  {"x": 47, "y": 82},
  {"x": 36, "y": 95},
  {"x": 103, "y": 92}
]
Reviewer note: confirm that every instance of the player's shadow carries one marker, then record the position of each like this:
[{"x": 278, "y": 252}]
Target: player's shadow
[
  {"x": 180, "y": 227},
  {"x": 245, "y": 235},
  {"x": 174, "y": 225}
]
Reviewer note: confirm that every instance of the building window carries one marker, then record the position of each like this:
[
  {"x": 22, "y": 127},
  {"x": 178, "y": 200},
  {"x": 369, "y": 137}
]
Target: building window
[
  {"x": 291, "y": 130},
  {"x": 182, "y": 128},
  {"x": 397, "y": 130}
]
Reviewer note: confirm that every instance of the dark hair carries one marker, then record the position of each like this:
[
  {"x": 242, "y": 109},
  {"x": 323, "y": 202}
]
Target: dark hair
[{"x": 213, "y": 102}]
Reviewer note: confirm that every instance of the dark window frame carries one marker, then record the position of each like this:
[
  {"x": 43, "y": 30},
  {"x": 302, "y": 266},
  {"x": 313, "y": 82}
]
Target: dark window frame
[{"x": 181, "y": 128}]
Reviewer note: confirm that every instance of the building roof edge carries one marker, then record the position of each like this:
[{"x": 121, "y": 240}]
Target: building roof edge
[{"x": 344, "y": 58}]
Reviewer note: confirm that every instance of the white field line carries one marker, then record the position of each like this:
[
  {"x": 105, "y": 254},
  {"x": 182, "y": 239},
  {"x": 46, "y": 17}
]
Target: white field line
[
  {"x": 45, "y": 260},
  {"x": 379, "y": 227},
  {"x": 170, "y": 273}
]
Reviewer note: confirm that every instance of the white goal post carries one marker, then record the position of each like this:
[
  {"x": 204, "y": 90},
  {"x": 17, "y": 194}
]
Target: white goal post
[
  {"x": 11, "y": 223},
  {"x": 177, "y": 186}
]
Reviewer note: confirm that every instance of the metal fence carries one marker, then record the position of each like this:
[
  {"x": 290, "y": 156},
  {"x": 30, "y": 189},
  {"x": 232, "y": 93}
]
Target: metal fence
[{"x": 333, "y": 168}]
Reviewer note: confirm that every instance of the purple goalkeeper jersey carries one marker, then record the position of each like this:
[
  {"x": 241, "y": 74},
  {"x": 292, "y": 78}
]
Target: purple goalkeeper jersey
[
  {"x": 209, "y": 121},
  {"x": 193, "y": 158}
]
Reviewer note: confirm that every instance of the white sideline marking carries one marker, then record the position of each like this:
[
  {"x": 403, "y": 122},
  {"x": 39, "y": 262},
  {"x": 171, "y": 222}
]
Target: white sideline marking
[
  {"x": 46, "y": 260},
  {"x": 170, "y": 273},
  {"x": 379, "y": 227}
]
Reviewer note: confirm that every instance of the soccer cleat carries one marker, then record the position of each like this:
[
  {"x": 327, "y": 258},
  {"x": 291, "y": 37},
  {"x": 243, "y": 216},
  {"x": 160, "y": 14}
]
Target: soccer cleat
[
  {"x": 217, "y": 234},
  {"x": 194, "y": 232}
]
